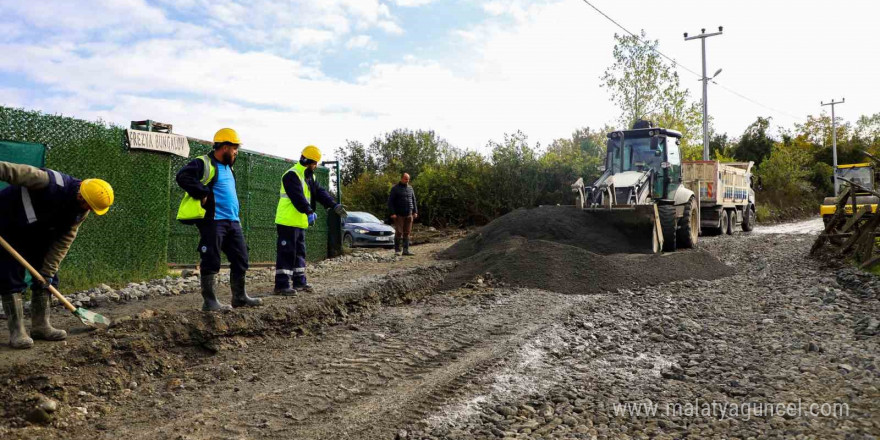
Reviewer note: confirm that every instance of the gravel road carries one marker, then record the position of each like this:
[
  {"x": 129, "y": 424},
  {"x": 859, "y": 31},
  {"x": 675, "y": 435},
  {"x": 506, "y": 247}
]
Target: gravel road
[{"x": 386, "y": 355}]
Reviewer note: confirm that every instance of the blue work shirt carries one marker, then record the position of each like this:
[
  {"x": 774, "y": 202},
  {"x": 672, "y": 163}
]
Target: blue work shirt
[{"x": 225, "y": 198}]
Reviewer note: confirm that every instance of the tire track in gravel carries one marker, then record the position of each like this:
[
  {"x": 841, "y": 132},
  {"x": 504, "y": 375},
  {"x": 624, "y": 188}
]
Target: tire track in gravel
[{"x": 363, "y": 381}]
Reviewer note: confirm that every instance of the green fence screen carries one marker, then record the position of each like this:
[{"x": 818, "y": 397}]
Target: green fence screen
[
  {"x": 22, "y": 152},
  {"x": 139, "y": 236}
]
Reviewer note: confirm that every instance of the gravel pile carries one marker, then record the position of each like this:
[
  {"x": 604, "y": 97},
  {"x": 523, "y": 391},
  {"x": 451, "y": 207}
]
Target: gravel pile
[
  {"x": 562, "y": 249},
  {"x": 784, "y": 330}
]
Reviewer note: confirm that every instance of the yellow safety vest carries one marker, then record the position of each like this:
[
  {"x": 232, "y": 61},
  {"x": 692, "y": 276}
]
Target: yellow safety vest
[
  {"x": 286, "y": 214},
  {"x": 190, "y": 208}
]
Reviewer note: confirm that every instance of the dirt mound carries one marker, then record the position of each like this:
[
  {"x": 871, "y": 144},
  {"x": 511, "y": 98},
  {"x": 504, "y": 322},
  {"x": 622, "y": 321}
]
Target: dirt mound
[
  {"x": 561, "y": 249},
  {"x": 561, "y": 224}
]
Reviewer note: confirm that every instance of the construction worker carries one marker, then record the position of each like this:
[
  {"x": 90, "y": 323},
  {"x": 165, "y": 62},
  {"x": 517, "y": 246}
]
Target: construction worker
[
  {"x": 293, "y": 216},
  {"x": 404, "y": 209},
  {"x": 42, "y": 210},
  {"x": 211, "y": 203}
]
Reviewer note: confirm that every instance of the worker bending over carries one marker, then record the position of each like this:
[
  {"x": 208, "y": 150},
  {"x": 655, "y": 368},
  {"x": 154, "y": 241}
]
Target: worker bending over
[
  {"x": 211, "y": 203},
  {"x": 42, "y": 210},
  {"x": 293, "y": 216}
]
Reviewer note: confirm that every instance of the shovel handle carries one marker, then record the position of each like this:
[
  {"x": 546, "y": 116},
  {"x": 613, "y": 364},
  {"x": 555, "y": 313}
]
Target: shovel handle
[{"x": 36, "y": 275}]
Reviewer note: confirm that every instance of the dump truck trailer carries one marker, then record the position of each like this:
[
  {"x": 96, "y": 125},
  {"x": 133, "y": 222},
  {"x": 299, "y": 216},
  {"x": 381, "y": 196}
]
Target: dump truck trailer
[{"x": 724, "y": 192}]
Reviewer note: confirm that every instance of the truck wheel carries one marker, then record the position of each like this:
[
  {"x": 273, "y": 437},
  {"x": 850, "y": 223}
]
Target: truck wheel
[
  {"x": 688, "y": 229},
  {"x": 749, "y": 219},
  {"x": 731, "y": 221},
  {"x": 667, "y": 224},
  {"x": 723, "y": 220}
]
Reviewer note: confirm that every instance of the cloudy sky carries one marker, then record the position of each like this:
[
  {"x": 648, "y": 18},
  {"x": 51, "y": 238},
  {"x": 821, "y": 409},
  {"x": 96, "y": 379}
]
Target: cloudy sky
[{"x": 286, "y": 73}]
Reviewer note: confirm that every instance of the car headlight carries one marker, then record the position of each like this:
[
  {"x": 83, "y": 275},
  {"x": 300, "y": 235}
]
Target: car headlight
[{"x": 361, "y": 231}]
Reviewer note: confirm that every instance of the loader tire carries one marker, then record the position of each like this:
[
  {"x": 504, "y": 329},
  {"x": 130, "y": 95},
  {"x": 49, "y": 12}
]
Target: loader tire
[
  {"x": 688, "y": 229},
  {"x": 667, "y": 225},
  {"x": 749, "y": 219}
]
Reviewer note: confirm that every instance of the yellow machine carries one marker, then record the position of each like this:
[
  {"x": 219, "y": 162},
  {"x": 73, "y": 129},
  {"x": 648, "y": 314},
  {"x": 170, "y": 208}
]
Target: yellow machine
[{"x": 860, "y": 174}]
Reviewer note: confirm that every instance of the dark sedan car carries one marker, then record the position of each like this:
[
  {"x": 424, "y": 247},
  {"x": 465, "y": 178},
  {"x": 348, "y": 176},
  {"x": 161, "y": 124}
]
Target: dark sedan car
[{"x": 364, "y": 229}]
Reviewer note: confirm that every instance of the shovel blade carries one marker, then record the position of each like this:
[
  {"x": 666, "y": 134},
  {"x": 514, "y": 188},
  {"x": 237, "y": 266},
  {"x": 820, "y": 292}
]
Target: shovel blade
[
  {"x": 92, "y": 319},
  {"x": 640, "y": 222}
]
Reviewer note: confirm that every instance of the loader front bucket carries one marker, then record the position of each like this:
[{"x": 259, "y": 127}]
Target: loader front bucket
[{"x": 641, "y": 223}]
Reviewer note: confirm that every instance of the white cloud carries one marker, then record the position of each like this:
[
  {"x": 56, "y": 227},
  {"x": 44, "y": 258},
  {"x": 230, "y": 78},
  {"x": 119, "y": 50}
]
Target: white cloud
[
  {"x": 412, "y": 3},
  {"x": 361, "y": 42},
  {"x": 390, "y": 27},
  {"x": 533, "y": 67},
  {"x": 305, "y": 37}
]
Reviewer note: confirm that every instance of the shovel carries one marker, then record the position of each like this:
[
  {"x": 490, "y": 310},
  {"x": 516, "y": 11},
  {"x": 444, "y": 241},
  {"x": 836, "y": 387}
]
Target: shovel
[{"x": 88, "y": 318}]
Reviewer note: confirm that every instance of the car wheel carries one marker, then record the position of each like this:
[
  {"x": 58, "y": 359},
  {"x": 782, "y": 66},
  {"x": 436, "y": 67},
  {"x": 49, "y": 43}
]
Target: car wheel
[{"x": 347, "y": 241}]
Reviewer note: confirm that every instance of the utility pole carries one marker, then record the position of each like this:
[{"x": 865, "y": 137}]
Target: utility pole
[
  {"x": 834, "y": 139},
  {"x": 703, "y": 35}
]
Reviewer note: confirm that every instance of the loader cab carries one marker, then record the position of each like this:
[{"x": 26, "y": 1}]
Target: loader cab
[
  {"x": 860, "y": 173},
  {"x": 654, "y": 149}
]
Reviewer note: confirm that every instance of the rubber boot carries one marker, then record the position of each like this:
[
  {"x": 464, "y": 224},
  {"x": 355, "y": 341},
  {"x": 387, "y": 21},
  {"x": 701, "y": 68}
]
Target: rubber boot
[
  {"x": 40, "y": 326},
  {"x": 211, "y": 304},
  {"x": 18, "y": 337},
  {"x": 304, "y": 287},
  {"x": 240, "y": 297},
  {"x": 396, "y": 245},
  {"x": 286, "y": 291},
  {"x": 406, "y": 247}
]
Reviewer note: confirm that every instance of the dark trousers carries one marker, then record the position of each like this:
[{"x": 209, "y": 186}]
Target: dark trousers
[
  {"x": 226, "y": 236},
  {"x": 33, "y": 248},
  {"x": 291, "y": 261},
  {"x": 403, "y": 225}
]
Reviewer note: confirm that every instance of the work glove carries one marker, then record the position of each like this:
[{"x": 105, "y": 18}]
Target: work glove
[
  {"x": 313, "y": 217},
  {"x": 340, "y": 210},
  {"x": 50, "y": 280}
]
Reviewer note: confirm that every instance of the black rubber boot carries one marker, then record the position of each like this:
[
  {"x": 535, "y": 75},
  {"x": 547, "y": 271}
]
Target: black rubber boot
[
  {"x": 287, "y": 291},
  {"x": 211, "y": 304},
  {"x": 12, "y": 306},
  {"x": 304, "y": 287},
  {"x": 406, "y": 247},
  {"x": 40, "y": 326},
  {"x": 240, "y": 297},
  {"x": 396, "y": 245}
]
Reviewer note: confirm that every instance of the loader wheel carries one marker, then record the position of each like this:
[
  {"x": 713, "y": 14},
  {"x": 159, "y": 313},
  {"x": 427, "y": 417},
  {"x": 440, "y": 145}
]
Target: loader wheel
[
  {"x": 688, "y": 229},
  {"x": 749, "y": 219},
  {"x": 667, "y": 224}
]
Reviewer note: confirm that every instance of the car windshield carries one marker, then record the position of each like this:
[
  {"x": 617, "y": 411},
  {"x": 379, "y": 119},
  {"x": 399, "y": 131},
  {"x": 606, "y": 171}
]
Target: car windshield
[
  {"x": 859, "y": 175},
  {"x": 362, "y": 217},
  {"x": 636, "y": 155}
]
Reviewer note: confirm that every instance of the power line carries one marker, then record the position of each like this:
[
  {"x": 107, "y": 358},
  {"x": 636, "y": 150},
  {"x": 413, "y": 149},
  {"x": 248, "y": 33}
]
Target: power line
[
  {"x": 676, "y": 63},
  {"x": 734, "y": 92}
]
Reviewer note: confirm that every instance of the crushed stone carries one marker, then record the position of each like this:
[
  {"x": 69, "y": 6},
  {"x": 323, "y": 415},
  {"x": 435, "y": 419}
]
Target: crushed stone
[{"x": 563, "y": 249}]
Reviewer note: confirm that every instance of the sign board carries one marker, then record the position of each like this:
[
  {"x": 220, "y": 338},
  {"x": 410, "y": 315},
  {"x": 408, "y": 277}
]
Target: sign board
[{"x": 161, "y": 142}]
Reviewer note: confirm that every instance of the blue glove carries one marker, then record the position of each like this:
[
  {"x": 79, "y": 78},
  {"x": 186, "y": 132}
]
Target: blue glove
[
  {"x": 313, "y": 217},
  {"x": 36, "y": 285}
]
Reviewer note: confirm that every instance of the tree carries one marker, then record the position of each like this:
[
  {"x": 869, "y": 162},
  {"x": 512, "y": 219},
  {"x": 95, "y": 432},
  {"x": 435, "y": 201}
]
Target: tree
[
  {"x": 645, "y": 87},
  {"x": 354, "y": 161},
  {"x": 408, "y": 151},
  {"x": 755, "y": 144}
]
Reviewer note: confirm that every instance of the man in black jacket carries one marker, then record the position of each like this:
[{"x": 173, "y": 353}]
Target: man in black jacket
[
  {"x": 404, "y": 209},
  {"x": 294, "y": 215},
  {"x": 211, "y": 203}
]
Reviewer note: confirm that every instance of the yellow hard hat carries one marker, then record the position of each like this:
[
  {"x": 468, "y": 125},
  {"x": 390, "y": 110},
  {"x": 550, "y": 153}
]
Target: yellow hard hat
[
  {"x": 312, "y": 152},
  {"x": 226, "y": 135},
  {"x": 98, "y": 194}
]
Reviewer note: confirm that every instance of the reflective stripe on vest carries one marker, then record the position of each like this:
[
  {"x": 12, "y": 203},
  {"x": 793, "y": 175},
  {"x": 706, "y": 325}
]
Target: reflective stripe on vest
[
  {"x": 286, "y": 214},
  {"x": 28, "y": 205},
  {"x": 190, "y": 208}
]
